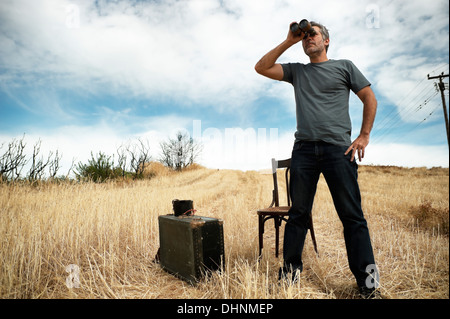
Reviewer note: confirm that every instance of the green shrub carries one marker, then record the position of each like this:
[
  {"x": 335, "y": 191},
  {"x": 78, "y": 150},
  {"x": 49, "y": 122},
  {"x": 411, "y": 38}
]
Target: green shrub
[{"x": 98, "y": 169}]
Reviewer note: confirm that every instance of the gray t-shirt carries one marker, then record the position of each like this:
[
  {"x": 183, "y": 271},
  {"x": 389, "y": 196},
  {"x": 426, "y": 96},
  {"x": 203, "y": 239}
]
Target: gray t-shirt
[{"x": 322, "y": 95}]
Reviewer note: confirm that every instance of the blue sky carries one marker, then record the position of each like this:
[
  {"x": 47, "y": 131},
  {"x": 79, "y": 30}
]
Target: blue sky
[{"x": 88, "y": 76}]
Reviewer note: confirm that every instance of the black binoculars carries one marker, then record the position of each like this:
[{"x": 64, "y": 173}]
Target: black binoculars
[{"x": 303, "y": 26}]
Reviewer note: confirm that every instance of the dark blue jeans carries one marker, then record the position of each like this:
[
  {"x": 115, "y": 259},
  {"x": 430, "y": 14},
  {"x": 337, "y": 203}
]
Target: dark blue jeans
[{"x": 309, "y": 160}]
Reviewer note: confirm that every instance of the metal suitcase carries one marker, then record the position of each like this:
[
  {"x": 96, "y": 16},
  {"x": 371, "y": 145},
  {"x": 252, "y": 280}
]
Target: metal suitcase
[{"x": 190, "y": 245}]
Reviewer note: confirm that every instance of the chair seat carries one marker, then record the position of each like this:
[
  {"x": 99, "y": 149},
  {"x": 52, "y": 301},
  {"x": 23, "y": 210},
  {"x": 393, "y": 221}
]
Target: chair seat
[{"x": 276, "y": 210}]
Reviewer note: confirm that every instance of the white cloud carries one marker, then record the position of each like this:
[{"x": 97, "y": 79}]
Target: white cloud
[
  {"x": 407, "y": 155},
  {"x": 199, "y": 50},
  {"x": 181, "y": 49},
  {"x": 200, "y": 53}
]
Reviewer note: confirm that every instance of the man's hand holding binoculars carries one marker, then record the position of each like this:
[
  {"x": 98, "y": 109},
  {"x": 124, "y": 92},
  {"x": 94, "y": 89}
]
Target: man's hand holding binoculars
[
  {"x": 294, "y": 38},
  {"x": 299, "y": 31}
]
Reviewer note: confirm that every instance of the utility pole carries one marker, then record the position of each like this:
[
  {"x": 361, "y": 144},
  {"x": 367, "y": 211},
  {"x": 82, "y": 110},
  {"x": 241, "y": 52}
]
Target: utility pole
[{"x": 442, "y": 89}]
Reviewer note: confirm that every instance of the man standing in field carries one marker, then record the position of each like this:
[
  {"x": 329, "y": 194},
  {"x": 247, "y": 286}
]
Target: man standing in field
[{"x": 323, "y": 145}]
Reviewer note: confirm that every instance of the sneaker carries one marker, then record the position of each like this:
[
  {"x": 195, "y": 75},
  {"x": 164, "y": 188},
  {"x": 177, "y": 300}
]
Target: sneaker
[{"x": 369, "y": 293}]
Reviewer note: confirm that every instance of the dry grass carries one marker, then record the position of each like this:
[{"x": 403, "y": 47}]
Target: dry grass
[{"x": 111, "y": 232}]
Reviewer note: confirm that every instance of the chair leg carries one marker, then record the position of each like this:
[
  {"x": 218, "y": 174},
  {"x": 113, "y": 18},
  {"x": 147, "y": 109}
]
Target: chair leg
[
  {"x": 277, "y": 235},
  {"x": 260, "y": 233},
  {"x": 313, "y": 235}
]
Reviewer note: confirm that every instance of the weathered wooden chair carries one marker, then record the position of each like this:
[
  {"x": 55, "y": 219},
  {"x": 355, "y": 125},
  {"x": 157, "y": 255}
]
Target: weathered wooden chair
[{"x": 275, "y": 211}]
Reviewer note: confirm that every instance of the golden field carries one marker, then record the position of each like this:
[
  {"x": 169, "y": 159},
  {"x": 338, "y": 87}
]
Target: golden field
[{"x": 110, "y": 231}]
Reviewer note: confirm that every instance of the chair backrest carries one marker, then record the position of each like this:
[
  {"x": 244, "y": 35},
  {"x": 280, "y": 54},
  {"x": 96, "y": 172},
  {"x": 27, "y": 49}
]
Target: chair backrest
[{"x": 280, "y": 164}]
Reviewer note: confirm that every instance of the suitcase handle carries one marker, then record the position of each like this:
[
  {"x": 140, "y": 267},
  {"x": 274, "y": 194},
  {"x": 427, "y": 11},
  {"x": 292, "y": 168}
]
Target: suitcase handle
[{"x": 190, "y": 211}]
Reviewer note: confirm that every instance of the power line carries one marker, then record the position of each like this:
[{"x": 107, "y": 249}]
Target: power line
[
  {"x": 388, "y": 119},
  {"x": 413, "y": 104},
  {"x": 390, "y": 123},
  {"x": 428, "y": 116},
  {"x": 421, "y": 123},
  {"x": 407, "y": 104}
]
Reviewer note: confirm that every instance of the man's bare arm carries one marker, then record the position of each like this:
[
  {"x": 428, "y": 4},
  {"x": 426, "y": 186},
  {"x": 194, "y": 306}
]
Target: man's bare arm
[
  {"x": 267, "y": 66},
  {"x": 369, "y": 100}
]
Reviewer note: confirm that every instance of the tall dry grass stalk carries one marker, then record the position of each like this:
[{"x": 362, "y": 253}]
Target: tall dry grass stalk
[{"x": 110, "y": 231}]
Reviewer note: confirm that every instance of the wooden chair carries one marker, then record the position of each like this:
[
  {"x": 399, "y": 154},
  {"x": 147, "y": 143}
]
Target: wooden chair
[{"x": 275, "y": 211}]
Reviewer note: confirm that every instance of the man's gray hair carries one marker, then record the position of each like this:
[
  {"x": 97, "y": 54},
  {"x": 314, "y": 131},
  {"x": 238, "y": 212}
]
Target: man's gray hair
[{"x": 323, "y": 30}]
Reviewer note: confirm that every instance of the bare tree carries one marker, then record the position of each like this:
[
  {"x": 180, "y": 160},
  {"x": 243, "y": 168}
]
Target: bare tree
[
  {"x": 12, "y": 160},
  {"x": 38, "y": 165},
  {"x": 180, "y": 152},
  {"x": 70, "y": 168},
  {"x": 122, "y": 159},
  {"x": 54, "y": 165},
  {"x": 139, "y": 155}
]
